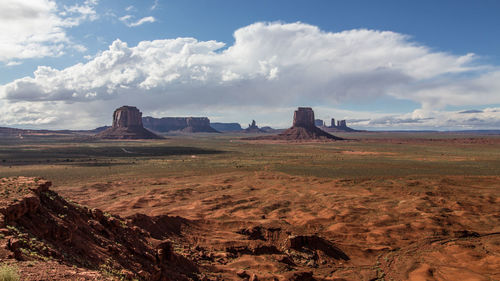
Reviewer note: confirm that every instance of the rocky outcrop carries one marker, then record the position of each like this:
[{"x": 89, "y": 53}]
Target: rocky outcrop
[
  {"x": 184, "y": 124},
  {"x": 253, "y": 128},
  {"x": 303, "y": 129},
  {"x": 127, "y": 124},
  {"x": 20, "y": 199},
  {"x": 41, "y": 226},
  {"x": 341, "y": 126}
]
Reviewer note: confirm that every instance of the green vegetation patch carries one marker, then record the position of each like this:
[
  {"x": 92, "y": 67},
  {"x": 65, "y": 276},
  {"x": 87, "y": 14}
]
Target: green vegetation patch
[
  {"x": 365, "y": 155},
  {"x": 8, "y": 273}
]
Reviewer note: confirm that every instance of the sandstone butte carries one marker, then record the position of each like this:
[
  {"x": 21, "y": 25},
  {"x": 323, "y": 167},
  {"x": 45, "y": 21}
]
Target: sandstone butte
[
  {"x": 303, "y": 129},
  {"x": 253, "y": 128},
  {"x": 127, "y": 124}
]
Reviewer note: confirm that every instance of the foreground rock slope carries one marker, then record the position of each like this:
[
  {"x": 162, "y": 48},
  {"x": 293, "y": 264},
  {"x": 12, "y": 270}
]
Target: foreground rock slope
[{"x": 38, "y": 225}]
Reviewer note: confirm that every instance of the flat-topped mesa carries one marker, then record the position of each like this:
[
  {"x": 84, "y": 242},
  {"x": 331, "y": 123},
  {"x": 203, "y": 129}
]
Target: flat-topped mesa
[
  {"x": 303, "y": 117},
  {"x": 127, "y": 116},
  {"x": 198, "y": 125},
  {"x": 127, "y": 124},
  {"x": 184, "y": 124}
]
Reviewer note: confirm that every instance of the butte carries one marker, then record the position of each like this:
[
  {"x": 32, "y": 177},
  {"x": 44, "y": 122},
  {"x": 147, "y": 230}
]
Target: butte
[
  {"x": 303, "y": 129},
  {"x": 127, "y": 124}
]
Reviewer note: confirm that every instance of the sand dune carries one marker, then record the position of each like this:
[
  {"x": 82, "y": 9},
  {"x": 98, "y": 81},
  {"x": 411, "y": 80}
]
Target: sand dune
[{"x": 274, "y": 225}]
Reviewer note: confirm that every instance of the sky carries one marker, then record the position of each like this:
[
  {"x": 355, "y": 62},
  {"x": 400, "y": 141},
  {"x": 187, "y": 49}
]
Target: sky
[{"x": 381, "y": 65}]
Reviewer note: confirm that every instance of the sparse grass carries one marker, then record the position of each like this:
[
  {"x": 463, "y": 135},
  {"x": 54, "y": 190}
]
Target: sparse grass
[
  {"x": 371, "y": 157},
  {"x": 8, "y": 273}
]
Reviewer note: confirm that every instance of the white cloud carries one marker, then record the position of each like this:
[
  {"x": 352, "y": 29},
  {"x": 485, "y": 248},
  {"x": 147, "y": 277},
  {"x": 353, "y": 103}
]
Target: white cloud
[
  {"x": 489, "y": 118},
  {"x": 76, "y": 14},
  {"x": 37, "y": 28},
  {"x": 126, "y": 19},
  {"x": 13, "y": 63},
  {"x": 270, "y": 65},
  {"x": 155, "y": 5}
]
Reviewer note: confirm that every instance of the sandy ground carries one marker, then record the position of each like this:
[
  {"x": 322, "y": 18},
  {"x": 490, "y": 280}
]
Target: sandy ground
[{"x": 242, "y": 224}]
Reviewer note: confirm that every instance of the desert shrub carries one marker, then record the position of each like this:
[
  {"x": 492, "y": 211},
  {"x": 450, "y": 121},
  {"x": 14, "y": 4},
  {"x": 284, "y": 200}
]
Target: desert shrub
[{"x": 8, "y": 273}]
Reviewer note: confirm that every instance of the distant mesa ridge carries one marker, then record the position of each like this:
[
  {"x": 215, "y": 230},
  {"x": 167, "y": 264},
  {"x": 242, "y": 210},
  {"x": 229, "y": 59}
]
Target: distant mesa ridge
[
  {"x": 127, "y": 124},
  {"x": 184, "y": 124},
  {"x": 226, "y": 127}
]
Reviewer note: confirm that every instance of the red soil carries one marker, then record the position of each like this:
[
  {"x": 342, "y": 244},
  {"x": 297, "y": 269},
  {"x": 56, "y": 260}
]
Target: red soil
[{"x": 270, "y": 226}]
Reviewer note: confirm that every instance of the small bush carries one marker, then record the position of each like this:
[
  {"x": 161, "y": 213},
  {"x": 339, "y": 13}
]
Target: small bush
[{"x": 8, "y": 273}]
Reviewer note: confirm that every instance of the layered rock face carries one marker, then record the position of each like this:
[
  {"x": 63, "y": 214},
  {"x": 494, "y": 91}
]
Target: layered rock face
[
  {"x": 86, "y": 239},
  {"x": 127, "y": 116},
  {"x": 184, "y": 124},
  {"x": 303, "y": 117},
  {"x": 127, "y": 124},
  {"x": 198, "y": 124}
]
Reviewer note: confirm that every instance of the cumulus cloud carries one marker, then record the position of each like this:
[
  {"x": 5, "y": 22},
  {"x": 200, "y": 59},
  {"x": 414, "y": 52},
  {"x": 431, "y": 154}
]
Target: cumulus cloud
[
  {"x": 270, "y": 65},
  {"x": 37, "y": 28},
  {"x": 489, "y": 118},
  {"x": 127, "y": 20}
]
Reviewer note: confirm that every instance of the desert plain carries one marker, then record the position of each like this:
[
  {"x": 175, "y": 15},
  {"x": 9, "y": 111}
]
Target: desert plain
[{"x": 376, "y": 206}]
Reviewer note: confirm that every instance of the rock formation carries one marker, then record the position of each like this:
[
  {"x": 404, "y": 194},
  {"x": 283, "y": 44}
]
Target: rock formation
[
  {"x": 127, "y": 124},
  {"x": 84, "y": 238},
  {"x": 303, "y": 128},
  {"x": 341, "y": 126},
  {"x": 184, "y": 124},
  {"x": 303, "y": 117},
  {"x": 319, "y": 123},
  {"x": 253, "y": 128},
  {"x": 226, "y": 127}
]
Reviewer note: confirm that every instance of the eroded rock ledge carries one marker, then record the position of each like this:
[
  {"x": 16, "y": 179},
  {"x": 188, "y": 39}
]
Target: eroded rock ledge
[{"x": 39, "y": 225}]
